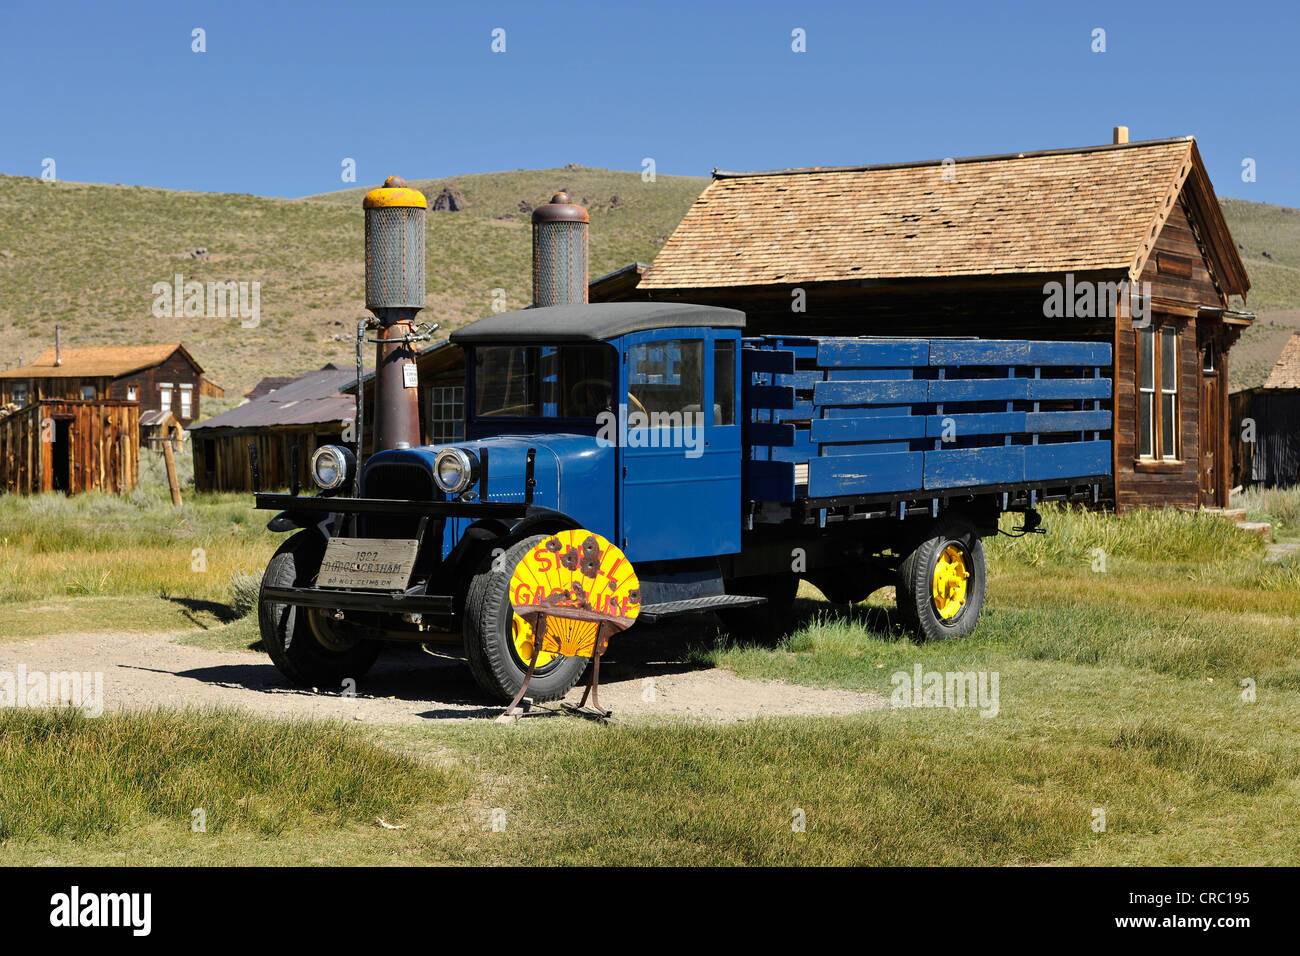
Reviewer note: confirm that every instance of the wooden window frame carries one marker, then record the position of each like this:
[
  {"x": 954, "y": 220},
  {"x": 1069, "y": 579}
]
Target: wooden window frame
[{"x": 1159, "y": 459}]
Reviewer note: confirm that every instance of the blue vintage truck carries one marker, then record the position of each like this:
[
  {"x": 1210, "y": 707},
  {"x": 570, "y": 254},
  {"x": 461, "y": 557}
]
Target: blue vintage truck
[{"x": 726, "y": 467}]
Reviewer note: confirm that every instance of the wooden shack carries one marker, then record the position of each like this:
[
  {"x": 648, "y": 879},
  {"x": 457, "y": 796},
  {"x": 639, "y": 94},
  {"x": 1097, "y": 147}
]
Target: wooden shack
[
  {"x": 1264, "y": 425},
  {"x": 1045, "y": 245},
  {"x": 70, "y": 446},
  {"x": 308, "y": 412}
]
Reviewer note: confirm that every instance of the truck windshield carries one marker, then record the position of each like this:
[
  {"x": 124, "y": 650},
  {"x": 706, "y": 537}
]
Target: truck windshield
[{"x": 543, "y": 381}]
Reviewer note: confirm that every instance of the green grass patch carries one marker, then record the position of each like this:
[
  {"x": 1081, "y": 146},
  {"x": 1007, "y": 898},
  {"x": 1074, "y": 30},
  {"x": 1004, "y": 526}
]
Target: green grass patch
[{"x": 74, "y": 778}]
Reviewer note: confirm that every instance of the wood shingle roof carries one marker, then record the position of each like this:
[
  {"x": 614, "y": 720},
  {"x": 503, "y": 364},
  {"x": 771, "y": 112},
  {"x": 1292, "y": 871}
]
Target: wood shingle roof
[{"x": 1084, "y": 210}]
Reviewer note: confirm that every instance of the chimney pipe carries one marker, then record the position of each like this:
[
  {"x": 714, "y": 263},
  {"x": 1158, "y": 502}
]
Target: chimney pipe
[
  {"x": 395, "y": 293},
  {"x": 58, "y": 345},
  {"x": 1120, "y": 135},
  {"x": 560, "y": 252}
]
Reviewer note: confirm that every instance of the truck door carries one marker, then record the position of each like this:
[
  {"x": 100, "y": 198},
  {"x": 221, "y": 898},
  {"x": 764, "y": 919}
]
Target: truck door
[{"x": 680, "y": 449}]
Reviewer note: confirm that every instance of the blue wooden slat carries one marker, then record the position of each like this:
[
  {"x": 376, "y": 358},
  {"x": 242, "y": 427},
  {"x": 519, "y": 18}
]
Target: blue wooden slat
[
  {"x": 990, "y": 423},
  {"x": 979, "y": 352},
  {"x": 869, "y": 447},
  {"x": 769, "y": 480},
  {"x": 978, "y": 389},
  {"x": 885, "y": 428},
  {"x": 1067, "y": 460},
  {"x": 1051, "y": 388},
  {"x": 769, "y": 433},
  {"x": 1069, "y": 353},
  {"x": 961, "y": 467},
  {"x": 801, "y": 449},
  {"x": 798, "y": 411},
  {"x": 1067, "y": 421},
  {"x": 858, "y": 374},
  {"x": 766, "y": 360},
  {"x": 865, "y": 411},
  {"x": 803, "y": 379},
  {"x": 864, "y": 474},
  {"x": 873, "y": 353},
  {"x": 769, "y": 396},
  {"x": 870, "y": 392}
]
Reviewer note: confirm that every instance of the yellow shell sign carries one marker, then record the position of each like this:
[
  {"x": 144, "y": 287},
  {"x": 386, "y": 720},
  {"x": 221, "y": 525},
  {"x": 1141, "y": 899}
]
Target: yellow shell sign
[{"x": 577, "y": 581}]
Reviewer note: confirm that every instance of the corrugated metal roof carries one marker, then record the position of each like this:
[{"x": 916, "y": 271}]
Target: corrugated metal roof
[
  {"x": 316, "y": 397},
  {"x": 98, "y": 361},
  {"x": 1090, "y": 209}
]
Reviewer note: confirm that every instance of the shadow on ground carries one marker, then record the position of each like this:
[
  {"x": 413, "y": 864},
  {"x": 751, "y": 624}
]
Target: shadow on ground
[{"x": 439, "y": 675}]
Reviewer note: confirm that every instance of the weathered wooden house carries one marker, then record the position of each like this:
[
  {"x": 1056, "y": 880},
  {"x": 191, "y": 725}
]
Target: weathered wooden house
[
  {"x": 70, "y": 445},
  {"x": 310, "y": 411},
  {"x": 1033, "y": 245},
  {"x": 1264, "y": 425},
  {"x": 164, "y": 377}
]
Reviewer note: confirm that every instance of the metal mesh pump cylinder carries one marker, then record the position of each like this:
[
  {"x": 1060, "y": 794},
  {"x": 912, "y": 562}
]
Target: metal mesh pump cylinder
[
  {"x": 394, "y": 257},
  {"x": 560, "y": 253}
]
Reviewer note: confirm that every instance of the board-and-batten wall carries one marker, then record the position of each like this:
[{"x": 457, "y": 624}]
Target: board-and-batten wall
[{"x": 97, "y": 441}]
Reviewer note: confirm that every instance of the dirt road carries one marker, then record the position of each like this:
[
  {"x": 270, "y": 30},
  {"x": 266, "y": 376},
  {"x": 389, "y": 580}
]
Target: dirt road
[{"x": 408, "y": 685}]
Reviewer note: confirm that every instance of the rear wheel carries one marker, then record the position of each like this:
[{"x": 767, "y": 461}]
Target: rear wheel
[
  {"x": 942, "y": 581},
  {"x": 499, "y": 645},
  {"x": 769, "y": 622},
  {"x": 306, "y": 644}
]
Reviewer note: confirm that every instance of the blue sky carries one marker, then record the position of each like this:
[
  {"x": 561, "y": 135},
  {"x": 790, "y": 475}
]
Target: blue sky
[{"x": 285, "y": 92}]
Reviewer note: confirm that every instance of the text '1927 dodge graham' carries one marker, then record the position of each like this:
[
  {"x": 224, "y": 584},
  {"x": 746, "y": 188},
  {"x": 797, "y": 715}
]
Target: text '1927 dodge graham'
[{"x": 725, "y": 467}]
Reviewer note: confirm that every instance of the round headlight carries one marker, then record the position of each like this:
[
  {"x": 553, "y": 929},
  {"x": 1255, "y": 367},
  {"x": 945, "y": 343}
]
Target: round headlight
[
  {"x": 331, "y": 467},
  {"x": 453, "y": 470}
]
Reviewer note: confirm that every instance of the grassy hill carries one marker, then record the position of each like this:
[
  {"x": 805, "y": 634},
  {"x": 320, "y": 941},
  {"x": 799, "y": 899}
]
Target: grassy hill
[
  {"x": 88, "y": 255},
  {"x": 1268, "y": 239}
]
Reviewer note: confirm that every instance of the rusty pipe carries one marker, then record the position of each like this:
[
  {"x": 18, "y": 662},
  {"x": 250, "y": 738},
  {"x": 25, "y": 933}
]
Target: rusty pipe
[{"x": 397, "y": 407}]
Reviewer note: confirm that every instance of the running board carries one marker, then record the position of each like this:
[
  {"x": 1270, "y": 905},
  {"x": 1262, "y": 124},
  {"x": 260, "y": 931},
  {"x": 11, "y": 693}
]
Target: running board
[{"x": 716, "y": 602}]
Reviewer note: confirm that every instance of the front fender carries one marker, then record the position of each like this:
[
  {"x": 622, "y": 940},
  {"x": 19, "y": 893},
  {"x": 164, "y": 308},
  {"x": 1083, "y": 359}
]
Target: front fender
[
  {"x": 291, "y": 520},
  {"x": 481, "y": 538}
]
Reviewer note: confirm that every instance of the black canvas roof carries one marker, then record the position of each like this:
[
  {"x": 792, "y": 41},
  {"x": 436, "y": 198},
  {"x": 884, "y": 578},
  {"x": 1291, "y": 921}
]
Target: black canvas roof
[{"x": 594, "y": 323}]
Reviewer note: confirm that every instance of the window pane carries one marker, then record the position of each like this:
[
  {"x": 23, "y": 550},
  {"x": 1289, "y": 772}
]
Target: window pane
[
  {"x": 724, "y": 383},
  {"x": 1146, "y": 408},
  {"x": 1169, "y": 426},
  {"x": 1147, "y": 358},
  {"x": 666, "y": 377},
  {"x": 1169, "y": 360},
  {"x": 529, "y": 382}
]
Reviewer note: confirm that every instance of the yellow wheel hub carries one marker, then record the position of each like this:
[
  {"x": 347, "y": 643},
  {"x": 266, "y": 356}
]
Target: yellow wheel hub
[
  {"x": 949, "y": 585},
  {"x": 522, "y": 635}
]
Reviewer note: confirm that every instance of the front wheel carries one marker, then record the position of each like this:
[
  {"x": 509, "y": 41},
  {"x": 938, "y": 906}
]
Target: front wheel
[
  {"x": 941, "y": 583},
  {"x": 306, "y": 644},
  {"x": 499, "y": 645}
]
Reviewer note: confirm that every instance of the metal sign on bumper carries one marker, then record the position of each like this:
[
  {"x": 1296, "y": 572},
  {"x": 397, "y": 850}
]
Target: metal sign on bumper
[{"x": 378, "y": 564}]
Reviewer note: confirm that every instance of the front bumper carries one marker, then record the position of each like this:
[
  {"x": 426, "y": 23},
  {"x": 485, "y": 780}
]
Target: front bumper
[{"x": 413, "y": 601}]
